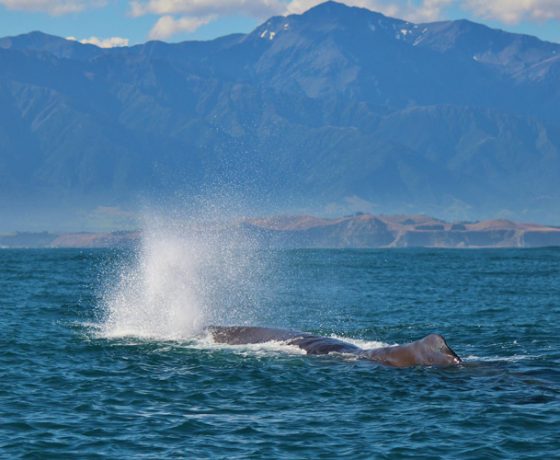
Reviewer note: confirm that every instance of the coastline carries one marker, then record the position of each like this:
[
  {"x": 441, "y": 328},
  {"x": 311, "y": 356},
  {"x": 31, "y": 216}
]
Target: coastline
[{"x": 356, "y": 231}]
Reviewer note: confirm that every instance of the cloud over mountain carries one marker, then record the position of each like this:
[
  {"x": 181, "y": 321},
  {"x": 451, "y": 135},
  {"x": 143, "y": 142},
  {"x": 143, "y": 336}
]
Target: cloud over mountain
[
  {"x": 257, "y": 8},
  {"x": 180, "y": 15},
  {"x": 175, "y": 17},
  {"x": 513, "y": 11},
  {"x": 110, "y": 42},
  {"x": 183, "y": 15},
  {"x": 54, "y": 7},
  {"x": 167, "y": 26}
]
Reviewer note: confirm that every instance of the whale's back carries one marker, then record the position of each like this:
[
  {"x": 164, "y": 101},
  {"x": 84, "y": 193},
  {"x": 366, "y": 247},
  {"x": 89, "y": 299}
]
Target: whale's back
[
  {"x": 240, "y": 335},
  {"x": 431, "y": 350},
  {"x": 312, "y": 344}
]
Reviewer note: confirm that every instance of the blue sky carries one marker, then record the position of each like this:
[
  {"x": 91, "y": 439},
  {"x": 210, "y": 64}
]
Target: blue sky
[{"x": 117, "y": 22}]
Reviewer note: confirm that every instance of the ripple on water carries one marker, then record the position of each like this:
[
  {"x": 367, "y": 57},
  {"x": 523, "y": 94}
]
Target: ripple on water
[{"x": 68, "y": 390}]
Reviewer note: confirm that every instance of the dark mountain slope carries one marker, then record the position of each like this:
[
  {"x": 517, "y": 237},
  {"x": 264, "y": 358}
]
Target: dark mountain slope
[{"x": 333, "y": 106}]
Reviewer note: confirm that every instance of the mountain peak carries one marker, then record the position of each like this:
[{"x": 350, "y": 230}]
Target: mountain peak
[
  {"x": 329, "y": 17},
  {"x": 31, "y": 40},
  {"x": 42, "y": 42},
  {"x": 331, "y": 9}
]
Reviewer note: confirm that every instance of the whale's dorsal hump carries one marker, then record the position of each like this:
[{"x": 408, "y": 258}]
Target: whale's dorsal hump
[{"x": 436, "y": 343}]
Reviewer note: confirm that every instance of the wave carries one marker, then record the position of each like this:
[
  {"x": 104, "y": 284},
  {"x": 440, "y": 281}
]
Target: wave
[{"x": 513, "y": 358}]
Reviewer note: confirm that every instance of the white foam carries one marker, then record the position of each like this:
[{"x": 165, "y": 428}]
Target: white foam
[
  {"x": 513, "y": 358},
  {"x": 206, "y": 342},
  {"x": 272, "y": 347},
  {"x": 364, "y": 344}
]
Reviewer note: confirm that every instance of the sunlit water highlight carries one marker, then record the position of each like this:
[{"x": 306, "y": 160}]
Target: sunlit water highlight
[{"x": 101, "y": 359}]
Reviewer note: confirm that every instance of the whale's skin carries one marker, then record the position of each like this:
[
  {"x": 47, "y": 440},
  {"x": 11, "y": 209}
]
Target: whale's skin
[{"x": 431, "y": 350}]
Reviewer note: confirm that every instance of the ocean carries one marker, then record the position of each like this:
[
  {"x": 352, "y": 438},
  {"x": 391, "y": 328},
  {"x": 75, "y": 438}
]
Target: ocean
[{"x": 104, "y": 355}]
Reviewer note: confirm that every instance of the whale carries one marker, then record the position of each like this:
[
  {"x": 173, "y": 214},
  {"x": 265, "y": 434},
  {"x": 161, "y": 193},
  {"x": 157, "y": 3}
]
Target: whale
[{"x": 431, "y": 350}]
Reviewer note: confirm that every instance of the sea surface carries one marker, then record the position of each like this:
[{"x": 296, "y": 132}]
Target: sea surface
[{"x": 103, "y": 354}]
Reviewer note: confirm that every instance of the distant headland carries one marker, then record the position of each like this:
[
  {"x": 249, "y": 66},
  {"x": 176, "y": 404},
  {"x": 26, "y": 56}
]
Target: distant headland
[{"x": 355, "y": 231}]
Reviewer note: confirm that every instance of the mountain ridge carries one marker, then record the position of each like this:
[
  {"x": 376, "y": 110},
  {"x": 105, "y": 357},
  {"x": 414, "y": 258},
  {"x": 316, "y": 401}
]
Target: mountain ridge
[{"x": 307, "y": 112}]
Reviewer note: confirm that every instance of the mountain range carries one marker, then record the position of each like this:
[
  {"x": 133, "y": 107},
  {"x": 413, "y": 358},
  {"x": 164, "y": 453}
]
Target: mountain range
[{"x": 337, "y": 109}]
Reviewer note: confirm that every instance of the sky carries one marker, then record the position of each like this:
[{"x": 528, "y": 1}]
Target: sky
[{"x": 128, "y": 22}]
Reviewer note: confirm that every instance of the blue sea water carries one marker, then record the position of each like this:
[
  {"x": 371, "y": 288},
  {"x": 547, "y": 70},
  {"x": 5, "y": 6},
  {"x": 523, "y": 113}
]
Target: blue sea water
[{"x": 94, "y": 363}]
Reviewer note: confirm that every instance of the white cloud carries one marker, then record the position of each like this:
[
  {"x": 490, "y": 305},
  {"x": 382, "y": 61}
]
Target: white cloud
[
  {"x": 177, "y": 16},
  {"x": 203, "y": 8},
  {"x": 166, "y": 26},
  {"x": 514, "y": 11},
  {"x": 53, "y": 7},
  {"x": 429, "y": 10},
  {"x": 261, "y": 9},
  {"x": 188, "y": 15},
  {"x": 508, "y": 11},
  {"x": 110, "y": 42}
]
